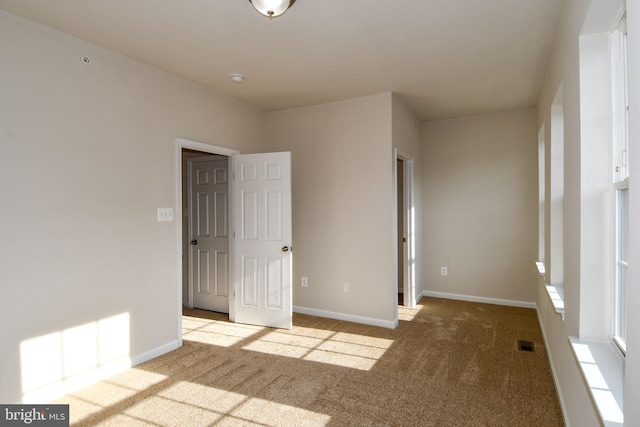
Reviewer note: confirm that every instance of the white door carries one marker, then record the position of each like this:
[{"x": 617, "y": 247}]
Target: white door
[
  {"x": 262, "y": 239},
  {"x": 209, "y": 232}
]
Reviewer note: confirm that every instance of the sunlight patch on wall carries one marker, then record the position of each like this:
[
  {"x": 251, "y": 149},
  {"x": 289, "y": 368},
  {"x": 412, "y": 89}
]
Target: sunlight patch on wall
[{"x": 63, "y": 361}]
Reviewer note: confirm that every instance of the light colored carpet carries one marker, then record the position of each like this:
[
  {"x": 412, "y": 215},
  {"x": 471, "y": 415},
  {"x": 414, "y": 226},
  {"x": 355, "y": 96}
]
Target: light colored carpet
[{"x": 449, "y": 363}]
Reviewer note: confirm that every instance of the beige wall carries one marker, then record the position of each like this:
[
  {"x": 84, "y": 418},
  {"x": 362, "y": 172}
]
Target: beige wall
[
  {"x": 480, "y": 205},
  {"x": 342, "y": 205},
  {"x": 87, "y": 155}
]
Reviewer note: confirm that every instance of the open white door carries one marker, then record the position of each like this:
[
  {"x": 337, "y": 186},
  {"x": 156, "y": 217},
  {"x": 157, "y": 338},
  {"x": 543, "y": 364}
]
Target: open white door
[{"x": 262, "y": 239}]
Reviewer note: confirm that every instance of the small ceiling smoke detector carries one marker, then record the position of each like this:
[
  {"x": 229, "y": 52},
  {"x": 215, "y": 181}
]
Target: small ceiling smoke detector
[
  {"x": 237, "y": 78},
  {"x": 86, "y": 60}
]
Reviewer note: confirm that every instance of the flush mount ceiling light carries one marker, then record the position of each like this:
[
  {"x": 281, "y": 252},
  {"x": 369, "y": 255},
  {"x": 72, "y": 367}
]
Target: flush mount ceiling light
[
  {"x": 237, "y": 78},
  {"x": 272, "y": 8}
]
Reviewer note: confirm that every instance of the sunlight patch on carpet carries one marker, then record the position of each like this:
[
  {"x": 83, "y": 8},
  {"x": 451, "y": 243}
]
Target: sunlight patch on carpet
[
  {"x": 188, "y": 403},
  {"x": 137, "y": 379},
  {"x": 340, "y": 349},
  {"x": 223, "y": 334},
  {"x": 407, "y": 314},
  {"x": 111, "y": 392}
]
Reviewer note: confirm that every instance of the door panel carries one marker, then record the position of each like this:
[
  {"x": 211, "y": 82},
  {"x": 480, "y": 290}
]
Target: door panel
[
  {"x": 262, "y": 194},
  {"x": 249, "y": 280},
  {"x": 209, "y": 219},
  {"x": 274, "y": 278},
  {"x": 249, "y": 215},
  {"x": 204, "y": 272}
]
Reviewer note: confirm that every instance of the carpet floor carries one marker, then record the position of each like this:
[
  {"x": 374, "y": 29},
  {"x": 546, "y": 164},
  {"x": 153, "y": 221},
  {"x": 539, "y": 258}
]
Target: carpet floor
[{"x": 448, "y": 363}]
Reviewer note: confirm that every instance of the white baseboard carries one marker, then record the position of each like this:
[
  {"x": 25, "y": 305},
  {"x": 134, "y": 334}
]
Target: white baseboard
[
  {"x": 470, "y": 298},
  {"x": 346, "y": 317},
  {"x": 393, "y": 324},
  {"x": 155, "y": 352}
]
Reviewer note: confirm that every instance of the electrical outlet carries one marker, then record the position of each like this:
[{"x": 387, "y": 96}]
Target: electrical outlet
[
  {"x": 444, "y": 271},
  {"x": 305, "y": 281},
  {"x": 346, "y": 286}
]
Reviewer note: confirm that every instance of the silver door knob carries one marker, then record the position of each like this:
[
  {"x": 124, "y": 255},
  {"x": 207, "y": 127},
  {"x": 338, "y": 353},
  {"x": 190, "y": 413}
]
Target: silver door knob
[
  {"x": 285, "y": 249},
  {"x": 194, "y": 242}
]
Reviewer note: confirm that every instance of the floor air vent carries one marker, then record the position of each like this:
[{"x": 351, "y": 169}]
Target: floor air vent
[{"x": 525, "y": 346}]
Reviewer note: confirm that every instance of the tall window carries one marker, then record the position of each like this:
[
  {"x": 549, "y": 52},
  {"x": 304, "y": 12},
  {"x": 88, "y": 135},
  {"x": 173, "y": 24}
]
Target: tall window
[
  {"x": 620, "y": 178},
  {"x": 541, "y": 201},
  {"x": 555, "y": 256},
  {"x": 621, "y": 266}
]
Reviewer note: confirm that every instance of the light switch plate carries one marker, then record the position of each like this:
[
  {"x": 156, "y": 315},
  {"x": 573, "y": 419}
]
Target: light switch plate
[{"x": 165, "y": 214}]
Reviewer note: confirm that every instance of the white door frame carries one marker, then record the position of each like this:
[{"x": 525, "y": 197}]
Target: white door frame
[
  {"x": 205, "y": 148},
  {"x": 408, "y": 266}
]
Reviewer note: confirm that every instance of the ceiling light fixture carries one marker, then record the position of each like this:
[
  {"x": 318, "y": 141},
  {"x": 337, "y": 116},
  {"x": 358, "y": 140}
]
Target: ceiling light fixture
[
  {"x": 237, "y": 78},
  {"x": 272, "y": 8}
]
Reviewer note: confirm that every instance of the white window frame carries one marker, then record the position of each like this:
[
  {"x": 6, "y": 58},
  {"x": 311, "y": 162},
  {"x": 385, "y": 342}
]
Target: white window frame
[
  {"x": 620, "y": 181},
  {"x": 619, "y": 311}
]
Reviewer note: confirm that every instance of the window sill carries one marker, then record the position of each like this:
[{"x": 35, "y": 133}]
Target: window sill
[
  {"x": 556, "y": 295},
  {"x": 603, "y": 371}
]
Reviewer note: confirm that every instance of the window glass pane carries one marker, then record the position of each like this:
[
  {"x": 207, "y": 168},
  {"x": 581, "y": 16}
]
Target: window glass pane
[{"x": 622, "y": 237}]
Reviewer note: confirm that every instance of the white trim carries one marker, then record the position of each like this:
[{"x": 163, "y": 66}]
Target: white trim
[
  {"x": 408, "y": 287},
  {"x": 181, "y": 143},
  {"x": 155, "y": 352},
  {"x": 346, "y": 317},
  {"x": 484, "y": 300},
  {"x": 206, "y": 148},
  {"x": 394, "y": 233}
]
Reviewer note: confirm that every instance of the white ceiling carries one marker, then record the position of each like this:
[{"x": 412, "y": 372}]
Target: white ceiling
[{"x": 444, "y": 58}]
